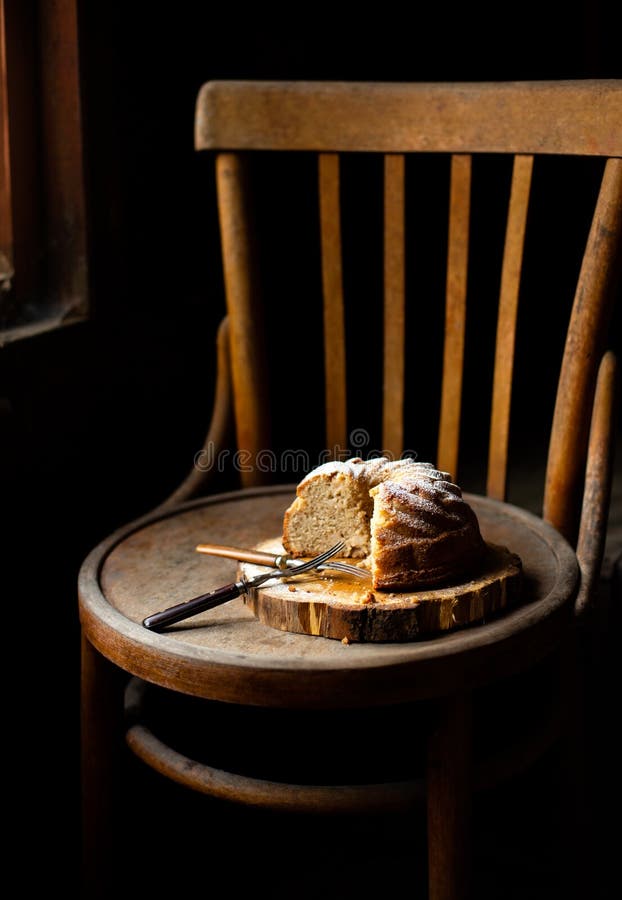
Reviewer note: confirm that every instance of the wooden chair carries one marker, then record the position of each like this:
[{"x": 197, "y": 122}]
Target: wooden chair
[{"x": 227, "y": 655}]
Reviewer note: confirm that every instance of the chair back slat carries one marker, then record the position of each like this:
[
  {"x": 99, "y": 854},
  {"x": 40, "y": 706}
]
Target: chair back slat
[
  {"x": 455, "y": 313},
  {"x": 332, "y": 284},
  {"x": 245, "y": 319},
  {"x": 394, "y": 311},
  {"x": 590, "y": 313},
  {"x": 527, "y": 120},
  {"x": 506, "y": 326}
]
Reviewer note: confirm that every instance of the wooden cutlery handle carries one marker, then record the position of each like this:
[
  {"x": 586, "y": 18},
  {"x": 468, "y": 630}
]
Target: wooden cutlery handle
[{"x": 250, "y": 556}]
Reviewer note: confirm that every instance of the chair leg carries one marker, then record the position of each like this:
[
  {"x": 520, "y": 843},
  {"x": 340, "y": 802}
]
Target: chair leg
[
  {"x": 449, "y": 801},
  {"x": 577, "y": 815},
  {"x": 102, "y": 741}
]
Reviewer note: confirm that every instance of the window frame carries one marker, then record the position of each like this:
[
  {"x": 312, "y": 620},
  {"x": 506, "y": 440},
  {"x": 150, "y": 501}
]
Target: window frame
[{"x": 43, "y": 231}]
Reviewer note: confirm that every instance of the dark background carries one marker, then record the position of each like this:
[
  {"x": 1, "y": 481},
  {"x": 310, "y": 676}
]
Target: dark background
[{"x": 100, "y": 421}]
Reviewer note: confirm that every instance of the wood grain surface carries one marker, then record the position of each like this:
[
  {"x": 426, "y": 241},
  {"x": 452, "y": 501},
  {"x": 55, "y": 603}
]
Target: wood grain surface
[
  {"x": 334, "y": 314},
  {"x": 393, "y": 386},
  {"x": 246, "y": 355},
  {"x": 227, "y": 654},
  {"x": 337, "y": 605},
  {"x": 506, "y": 327},
  {"x": 455, "y": 314},
  {"x": 585, "y": 339},
  {"x": 478, "y": 117}
]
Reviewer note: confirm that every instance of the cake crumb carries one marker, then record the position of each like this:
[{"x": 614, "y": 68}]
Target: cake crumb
[
  {"x": 369, "y": 597},
  {"x": 291, "y": 587},
  {"x": 345, "y": 641}
]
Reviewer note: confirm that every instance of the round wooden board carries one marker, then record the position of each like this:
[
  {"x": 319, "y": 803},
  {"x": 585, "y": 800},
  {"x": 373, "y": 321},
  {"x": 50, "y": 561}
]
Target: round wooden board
[{"x": 339, "y": 606}]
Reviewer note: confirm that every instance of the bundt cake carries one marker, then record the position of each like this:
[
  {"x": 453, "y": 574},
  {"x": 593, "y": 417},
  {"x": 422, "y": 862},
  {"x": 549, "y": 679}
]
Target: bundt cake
[{"x": 406, "y": 517}]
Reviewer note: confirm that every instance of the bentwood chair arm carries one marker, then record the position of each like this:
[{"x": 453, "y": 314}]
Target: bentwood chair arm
[
  {"x": 205, "y": 468},
  {"x": 597, "y": 490}
]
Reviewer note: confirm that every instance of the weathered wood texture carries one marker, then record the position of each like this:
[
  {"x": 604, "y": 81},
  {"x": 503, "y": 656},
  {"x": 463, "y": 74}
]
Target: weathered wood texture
[
  {"x": 21, "y": 186},
  {"x": 342, "y": 607},
  {"x": 63, "y": 169},
  {"x": 449, "y": 778},
  {"x": 597, "y": 490},
  {"x": 455, "y": 314},
  {"x": 502, "y": 107},
  {"x": 526, "y": 745},
  {"x": 102, "y": 730},
  {"x": 394, "y": 307},
  {"x": 6, "y": 214},
  {"x": 42, "y": 191},
  {"x": 584, "y": 343},
  {"x": 306, "y": 798},
  {"x": 244, "y": 313},
  {"x": 205, "y": 464},
  {"x": 581, "y": 117},
  {"x": 227, "y": 654},
  {"x": 332, "y": 283},
  {"x": 506, "y": 327}
]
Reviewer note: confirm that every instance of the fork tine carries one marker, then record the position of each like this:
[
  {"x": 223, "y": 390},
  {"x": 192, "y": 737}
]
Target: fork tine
[
  {"x": 322, "y": 557},
  {"x": 350, "y": 570},
  {"x": 311, "y": 564}
]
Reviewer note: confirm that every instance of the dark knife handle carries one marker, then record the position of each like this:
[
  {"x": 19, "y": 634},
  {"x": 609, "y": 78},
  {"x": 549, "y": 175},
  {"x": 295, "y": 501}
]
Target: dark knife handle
[{"x": 182, "y": 611}]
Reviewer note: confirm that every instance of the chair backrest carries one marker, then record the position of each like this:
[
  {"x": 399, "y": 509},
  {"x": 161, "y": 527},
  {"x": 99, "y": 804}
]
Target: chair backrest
[{"x": 520, "y": 121}]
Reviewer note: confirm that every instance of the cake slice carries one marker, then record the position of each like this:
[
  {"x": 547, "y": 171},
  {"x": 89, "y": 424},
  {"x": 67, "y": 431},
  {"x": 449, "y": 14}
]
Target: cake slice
[
  {"x": 332, "y": 504},
  {"x": 408, "y": 518}
]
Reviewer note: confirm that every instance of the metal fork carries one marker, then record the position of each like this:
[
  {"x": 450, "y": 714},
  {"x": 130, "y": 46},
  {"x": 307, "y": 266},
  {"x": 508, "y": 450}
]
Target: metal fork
[
  {"x": 280, "y": 561},
  {"x": 158, "y": 621}
]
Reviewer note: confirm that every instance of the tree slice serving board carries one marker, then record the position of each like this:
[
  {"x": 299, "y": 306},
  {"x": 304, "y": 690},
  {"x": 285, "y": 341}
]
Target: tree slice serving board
[{"x": 340, "y": 606}]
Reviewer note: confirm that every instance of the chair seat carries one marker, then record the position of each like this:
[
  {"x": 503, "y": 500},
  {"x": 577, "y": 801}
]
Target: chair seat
[{"x": 227, "y": 654}]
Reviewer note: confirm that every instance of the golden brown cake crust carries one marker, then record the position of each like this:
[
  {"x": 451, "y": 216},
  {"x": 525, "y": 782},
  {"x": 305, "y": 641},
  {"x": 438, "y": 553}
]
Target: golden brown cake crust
[{"x": 422, "y": 532}]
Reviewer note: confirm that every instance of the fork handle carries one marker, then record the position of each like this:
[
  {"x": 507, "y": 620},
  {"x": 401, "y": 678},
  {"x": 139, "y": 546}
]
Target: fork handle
[
  {"x": 256, "y": 557},
  {"x": 158, "y": 621}
]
